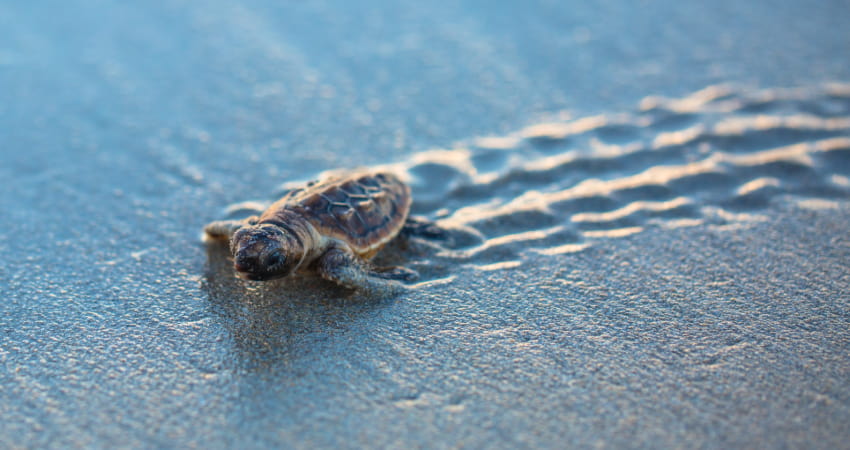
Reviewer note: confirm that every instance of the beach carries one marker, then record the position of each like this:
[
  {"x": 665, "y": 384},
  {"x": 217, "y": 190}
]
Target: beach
[{"x": 647, "y": 204}]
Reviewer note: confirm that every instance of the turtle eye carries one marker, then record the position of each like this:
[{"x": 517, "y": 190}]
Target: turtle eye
[
  {"x": 236, "y": 239},
  {"x": 274, "y": 259}
]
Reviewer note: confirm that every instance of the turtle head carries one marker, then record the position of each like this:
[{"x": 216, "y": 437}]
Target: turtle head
[{"x": 265, "y": 252}]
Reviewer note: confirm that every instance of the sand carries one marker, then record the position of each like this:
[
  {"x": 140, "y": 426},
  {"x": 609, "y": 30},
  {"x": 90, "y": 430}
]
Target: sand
[{"x": 648, "y": 205}]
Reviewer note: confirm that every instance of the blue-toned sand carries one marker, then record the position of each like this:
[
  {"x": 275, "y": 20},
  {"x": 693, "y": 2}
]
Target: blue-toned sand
[{"x": 648, "y": 205}]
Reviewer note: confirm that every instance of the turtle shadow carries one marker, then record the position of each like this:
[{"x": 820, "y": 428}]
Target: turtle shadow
[{"x": 274, "y": 321}]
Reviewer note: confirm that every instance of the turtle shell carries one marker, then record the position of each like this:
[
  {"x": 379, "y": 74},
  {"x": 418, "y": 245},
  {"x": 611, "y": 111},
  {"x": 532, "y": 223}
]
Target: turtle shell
[{"x": 364, "y": 209}]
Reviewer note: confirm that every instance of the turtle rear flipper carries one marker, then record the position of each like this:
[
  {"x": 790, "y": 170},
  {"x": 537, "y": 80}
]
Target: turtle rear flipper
[
  {"x": 424, "y": 228},
  {"x": 396, "y": 273}
]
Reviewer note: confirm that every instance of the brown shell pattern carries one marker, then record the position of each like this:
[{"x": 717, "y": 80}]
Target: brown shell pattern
[{"x": 364, "y": 209}]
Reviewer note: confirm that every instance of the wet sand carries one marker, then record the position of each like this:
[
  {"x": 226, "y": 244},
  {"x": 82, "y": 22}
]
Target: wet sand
[{"x": 649, "y": 244}]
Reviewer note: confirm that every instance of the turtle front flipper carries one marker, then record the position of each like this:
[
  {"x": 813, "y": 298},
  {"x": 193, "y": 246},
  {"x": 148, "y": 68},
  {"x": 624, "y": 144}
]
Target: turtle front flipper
[
  {"x": 224, "y": 229},
  {"x": 343, "y": 267}
]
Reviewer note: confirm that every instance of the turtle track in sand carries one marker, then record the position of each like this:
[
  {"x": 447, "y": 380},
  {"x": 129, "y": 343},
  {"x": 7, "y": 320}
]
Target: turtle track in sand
[{"x": 716, "y": 157}]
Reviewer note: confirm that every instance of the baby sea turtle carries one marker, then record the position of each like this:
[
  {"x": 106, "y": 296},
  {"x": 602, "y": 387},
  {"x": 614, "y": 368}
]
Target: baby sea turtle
[{"x": 333, "y": 227}]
